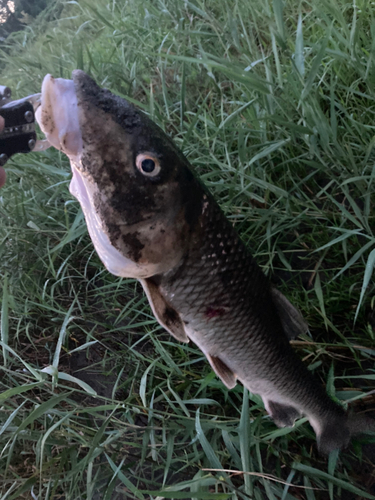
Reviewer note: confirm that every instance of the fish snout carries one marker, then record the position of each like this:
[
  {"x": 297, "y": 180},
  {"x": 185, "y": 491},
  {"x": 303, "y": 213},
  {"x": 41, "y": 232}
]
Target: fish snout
[{"x": 58, "y": 115}]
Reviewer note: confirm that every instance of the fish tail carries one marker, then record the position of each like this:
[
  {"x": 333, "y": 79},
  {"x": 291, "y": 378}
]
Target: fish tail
[{"x": 336, "y": 432}]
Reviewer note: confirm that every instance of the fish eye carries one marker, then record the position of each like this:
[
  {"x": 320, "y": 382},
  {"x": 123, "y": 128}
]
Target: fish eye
[{"x": 148, "y": 165}]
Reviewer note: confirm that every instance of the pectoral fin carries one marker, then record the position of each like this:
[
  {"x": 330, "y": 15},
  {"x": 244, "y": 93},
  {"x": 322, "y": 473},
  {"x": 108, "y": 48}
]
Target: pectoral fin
[
  {"x": 291, "y": 319},
  {"x": 222, "y": 371},
  {"x": 167, "y": 316}
]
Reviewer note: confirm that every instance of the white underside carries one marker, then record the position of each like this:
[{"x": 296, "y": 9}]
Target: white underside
[{"x": 114, "y": 261}]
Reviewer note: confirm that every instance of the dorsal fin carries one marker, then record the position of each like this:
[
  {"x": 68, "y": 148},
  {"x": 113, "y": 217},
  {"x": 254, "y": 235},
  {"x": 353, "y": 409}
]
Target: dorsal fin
[
  {"x": 167, "y": 316},
  {"x": 291, "y": 319}
]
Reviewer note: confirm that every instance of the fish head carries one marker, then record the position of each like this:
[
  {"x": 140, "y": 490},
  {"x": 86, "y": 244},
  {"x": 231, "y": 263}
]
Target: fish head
[{"x": 140, "y": 199}]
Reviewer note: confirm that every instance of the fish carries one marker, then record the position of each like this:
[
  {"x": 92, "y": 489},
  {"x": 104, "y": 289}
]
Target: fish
[{"x": 151, "y": 218}]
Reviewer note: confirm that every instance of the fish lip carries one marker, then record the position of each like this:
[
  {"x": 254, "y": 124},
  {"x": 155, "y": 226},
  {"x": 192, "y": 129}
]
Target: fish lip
[{"x": 58, "y": 115}]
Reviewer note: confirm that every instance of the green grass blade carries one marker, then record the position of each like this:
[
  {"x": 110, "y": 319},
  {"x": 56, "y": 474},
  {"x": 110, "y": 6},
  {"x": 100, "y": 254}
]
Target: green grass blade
[
  {"x": 299, "y": 59},
  {"x": 136, "y": 492},
  {"x": 68, "y": 318},
  {"x": 245, "y": 444},
  {"x": 314, "y": 70},
  {"x": 209, "y": 452},
  {"x": 4, "y": 324},
  {"x": 315, "y": 473},
  {"x": 201, "y": 495},
  {"x": 366, "y": 280},
  {"x": 278, "y": 8}
]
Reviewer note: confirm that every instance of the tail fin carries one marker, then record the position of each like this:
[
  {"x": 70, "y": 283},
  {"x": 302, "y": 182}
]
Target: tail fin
[
  {"x": 360, "y": 424},
  {"x": 335, "y": 434}
]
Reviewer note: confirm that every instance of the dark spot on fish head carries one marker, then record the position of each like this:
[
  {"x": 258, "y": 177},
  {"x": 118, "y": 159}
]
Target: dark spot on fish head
[{"x": 134, "y": 244}]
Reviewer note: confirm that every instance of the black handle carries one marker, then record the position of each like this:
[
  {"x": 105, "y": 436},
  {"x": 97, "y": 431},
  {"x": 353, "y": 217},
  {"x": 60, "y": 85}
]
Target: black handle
[{"x": 19, "y": 134}]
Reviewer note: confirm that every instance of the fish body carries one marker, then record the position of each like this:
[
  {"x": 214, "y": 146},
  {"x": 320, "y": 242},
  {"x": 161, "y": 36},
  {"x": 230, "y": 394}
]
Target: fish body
[{"x": 150, "y": 218}]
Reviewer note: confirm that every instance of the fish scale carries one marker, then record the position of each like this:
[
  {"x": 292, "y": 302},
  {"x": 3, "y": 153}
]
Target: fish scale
[{"x": 157, "y": 223}]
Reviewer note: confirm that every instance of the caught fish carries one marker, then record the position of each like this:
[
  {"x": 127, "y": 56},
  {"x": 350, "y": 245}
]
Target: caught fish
[{"x": 150, "y": 218}]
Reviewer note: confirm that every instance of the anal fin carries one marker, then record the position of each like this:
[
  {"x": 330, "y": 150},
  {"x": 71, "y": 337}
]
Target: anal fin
[
  {"x": 282, "y": 415},
  {"x": 222, "y": 371},
  {"x": 167, "y": 316}
]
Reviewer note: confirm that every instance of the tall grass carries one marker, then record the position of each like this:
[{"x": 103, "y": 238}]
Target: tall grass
[{"x": 273, "y": 104}]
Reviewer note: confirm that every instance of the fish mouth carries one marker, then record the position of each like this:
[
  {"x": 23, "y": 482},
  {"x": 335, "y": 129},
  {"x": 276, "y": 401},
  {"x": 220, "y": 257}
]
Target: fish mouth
[
  {"x": 58, "y": 115},
  {"x": 58, "y": 118}
]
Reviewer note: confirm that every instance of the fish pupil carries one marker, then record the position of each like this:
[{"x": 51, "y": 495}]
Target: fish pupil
[{"x": 148, "y": 165}]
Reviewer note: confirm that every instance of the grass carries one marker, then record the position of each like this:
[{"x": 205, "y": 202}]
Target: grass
[{"x": 273, "y": 103}]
